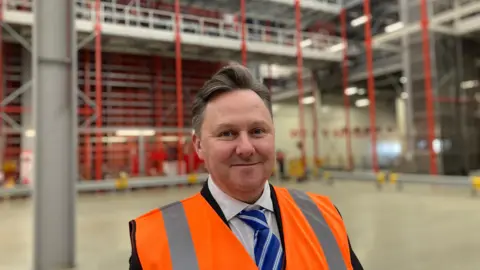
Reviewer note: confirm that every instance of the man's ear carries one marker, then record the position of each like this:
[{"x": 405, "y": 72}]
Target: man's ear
[{"x": 197, "y": 145}]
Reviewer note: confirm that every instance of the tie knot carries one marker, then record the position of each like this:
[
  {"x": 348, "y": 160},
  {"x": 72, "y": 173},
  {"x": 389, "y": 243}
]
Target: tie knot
[{"x": 254, "y": 218}]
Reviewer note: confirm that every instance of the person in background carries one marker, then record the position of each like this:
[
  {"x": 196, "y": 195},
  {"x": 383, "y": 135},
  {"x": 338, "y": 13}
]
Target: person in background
[
  {"x": 303, "y": 177},
  {"x": 239, "y": 220},
  {"x": 281, "y": 164}
]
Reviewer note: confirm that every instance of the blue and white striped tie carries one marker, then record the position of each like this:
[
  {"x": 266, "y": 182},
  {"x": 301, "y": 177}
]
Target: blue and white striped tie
[{"x": 268, "y": 249}]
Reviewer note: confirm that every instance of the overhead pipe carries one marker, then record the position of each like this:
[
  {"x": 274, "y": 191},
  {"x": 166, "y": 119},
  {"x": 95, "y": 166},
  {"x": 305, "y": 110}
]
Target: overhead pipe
[
  {"x": 371, "y": 84},
  {"x": 428, "y": 86},
  {"x": 346, "y": 98},
  {"x": 300, "y": 81},
  {"x": 98, "y": 93},
  {"x": 178, "y": 71}
]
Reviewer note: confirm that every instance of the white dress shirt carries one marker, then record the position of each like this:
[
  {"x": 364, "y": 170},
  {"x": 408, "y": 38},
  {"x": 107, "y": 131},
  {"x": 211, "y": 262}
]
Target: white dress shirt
[{"x": 232, "y": 207}]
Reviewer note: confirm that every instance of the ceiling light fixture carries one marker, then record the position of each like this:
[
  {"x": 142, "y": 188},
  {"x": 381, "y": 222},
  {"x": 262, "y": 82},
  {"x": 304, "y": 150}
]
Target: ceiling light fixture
[
  {"x": 336, "y": 47},
  {"x": 351, "y": 91},
  {"x": 359, "y": 21},
  {"x": 305, "y": 43},
  {"x": 308, "y": 100},
  {"x": 393, "y": 27},
  {"x": 362, "y": 102},
  {"x": 469, "y": 84}
]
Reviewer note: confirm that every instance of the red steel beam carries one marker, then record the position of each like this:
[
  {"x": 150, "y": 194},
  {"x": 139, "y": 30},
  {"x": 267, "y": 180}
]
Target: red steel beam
[
  {"x": 244, "y": 31},
  {"x": 428, "y": 86},
  {"x": 24, "y": 109},
  {"x": 371, "y": 83},
  {"x": 98, "y": 93},
  {"x": 346, "y": 98},
  {"x": 453, "y": 100},
  {"x": 298, "y": 17},
  {"x": 178, "y": 65}
]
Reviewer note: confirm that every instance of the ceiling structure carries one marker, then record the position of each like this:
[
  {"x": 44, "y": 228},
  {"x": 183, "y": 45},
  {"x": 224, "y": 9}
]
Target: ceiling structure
[
  {"x": 316, "y": 14},
  {"x": 457, "y": 18}
]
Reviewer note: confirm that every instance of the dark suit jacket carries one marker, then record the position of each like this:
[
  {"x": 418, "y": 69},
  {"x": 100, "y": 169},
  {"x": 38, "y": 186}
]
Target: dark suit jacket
[{"x": 205, "y": 192}]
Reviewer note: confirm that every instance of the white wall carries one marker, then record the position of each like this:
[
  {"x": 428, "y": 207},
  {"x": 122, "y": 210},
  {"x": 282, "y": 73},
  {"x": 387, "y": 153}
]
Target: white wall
[{"x": 333, "y": 149}]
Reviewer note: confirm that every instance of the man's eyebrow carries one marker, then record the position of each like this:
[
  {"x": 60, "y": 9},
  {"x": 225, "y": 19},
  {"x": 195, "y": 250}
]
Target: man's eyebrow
[
  {"x": 223, "y": 126},
  {"x": 259, "y": 122}
]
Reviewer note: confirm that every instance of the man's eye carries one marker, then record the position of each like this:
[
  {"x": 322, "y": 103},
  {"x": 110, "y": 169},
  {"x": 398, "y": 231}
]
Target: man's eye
[
  {"x": 258, "y": 131},
  {"x": 226, "y": 134}
]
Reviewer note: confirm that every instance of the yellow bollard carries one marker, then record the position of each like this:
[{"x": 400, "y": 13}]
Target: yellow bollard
[
  {"x": 476, "y": 183},
  {"x": 121, "y": 183},
  {"x": 296, "y": 168},
  {"x": 393, "y": 178},
  {"x": 10, "y": 183},
  {"x": 381, "y": 177},
  {"x": 192, "y": 178}
]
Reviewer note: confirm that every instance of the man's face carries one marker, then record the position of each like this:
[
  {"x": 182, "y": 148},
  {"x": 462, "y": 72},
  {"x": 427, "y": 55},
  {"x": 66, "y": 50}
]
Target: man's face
[{"x": 237, "y": 142}]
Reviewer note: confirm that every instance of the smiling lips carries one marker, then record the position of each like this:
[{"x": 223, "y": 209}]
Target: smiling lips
[{"x": 245, "y": 165}]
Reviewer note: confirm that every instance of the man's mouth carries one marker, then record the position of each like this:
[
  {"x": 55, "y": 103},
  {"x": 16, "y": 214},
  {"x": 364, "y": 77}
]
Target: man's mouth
[{"x": 245, "y": 164}]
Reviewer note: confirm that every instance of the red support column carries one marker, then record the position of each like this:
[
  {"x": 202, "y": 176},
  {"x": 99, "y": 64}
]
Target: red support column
[
  {"x": 98, "y": 92},
  {"x": 300, "y": 79},
  {"x": 244, "y": 31},
  {"x": 270, "y": 78},
  {"x": 158, "y": 115},
  {"x": 158, "y": 92},
  {"x": 178, "y": 62},
  {"x": 1, "y": 72},
  {"x": 371, "y": 83},
  {"x": 88, "y": 144},
  {"x": 346, "y": 98},
  {"x": 428, "y": 87},
  {"x": 315, "y": 119}
]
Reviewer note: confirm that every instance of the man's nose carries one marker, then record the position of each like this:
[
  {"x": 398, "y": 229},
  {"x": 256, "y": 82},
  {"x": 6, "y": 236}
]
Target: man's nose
[{"x": 244, "y": 147}]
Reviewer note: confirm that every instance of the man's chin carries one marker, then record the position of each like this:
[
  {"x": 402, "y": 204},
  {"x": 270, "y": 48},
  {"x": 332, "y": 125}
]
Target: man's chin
[{"x": 250, "y": 183}]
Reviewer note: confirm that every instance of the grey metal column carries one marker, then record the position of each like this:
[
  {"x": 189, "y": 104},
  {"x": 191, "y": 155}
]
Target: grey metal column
[
  {"x": 55, "y": 121},
  {"x": 407, "y": 86},
  {"x": 27, "y": 136},
  {"x": 141, "y": 155}
]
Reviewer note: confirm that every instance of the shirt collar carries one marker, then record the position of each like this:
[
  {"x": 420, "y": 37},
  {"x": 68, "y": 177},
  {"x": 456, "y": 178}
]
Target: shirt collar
[{"x": 232, "y": 207}]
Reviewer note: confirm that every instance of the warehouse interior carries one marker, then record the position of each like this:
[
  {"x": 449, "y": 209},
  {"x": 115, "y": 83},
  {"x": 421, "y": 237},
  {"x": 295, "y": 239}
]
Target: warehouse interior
[{"x": 96, "y": 98}]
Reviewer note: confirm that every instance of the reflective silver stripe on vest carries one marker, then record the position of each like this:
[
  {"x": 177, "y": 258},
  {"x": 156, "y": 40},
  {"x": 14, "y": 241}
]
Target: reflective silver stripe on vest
[
  {"x": 323, "y": 232},
  {"x": 182, "y": 251}
]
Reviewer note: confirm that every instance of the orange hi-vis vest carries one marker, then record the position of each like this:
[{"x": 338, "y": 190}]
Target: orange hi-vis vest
[{"x": 189, "y": 235}]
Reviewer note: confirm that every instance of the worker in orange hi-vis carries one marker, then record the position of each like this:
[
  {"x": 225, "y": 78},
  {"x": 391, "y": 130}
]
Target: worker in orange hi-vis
[{"x": 239, "y": 221}]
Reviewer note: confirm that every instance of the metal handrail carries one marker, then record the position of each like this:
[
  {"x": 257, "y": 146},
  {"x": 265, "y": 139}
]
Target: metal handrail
[
  {"x": 133, "y": 16},
  {"x": 114, "y": 184},
  {"x": 401, "y": 179},
  {"x": 380, "y": 179}
]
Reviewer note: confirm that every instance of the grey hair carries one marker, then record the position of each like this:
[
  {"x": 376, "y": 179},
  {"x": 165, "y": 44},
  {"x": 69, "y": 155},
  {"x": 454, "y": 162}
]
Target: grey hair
[{"x": 229, "y": 78}]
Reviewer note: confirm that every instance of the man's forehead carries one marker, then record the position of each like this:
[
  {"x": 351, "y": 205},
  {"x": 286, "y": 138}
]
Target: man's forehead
[{"x": 229, "y": 112}]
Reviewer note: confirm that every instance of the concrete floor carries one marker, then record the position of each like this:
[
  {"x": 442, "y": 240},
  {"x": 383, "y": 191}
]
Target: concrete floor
[{"x": 419, "y": 228}]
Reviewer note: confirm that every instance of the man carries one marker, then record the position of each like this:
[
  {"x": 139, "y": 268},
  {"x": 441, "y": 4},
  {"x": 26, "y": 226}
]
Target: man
[{"x": 239, "y": 220}]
